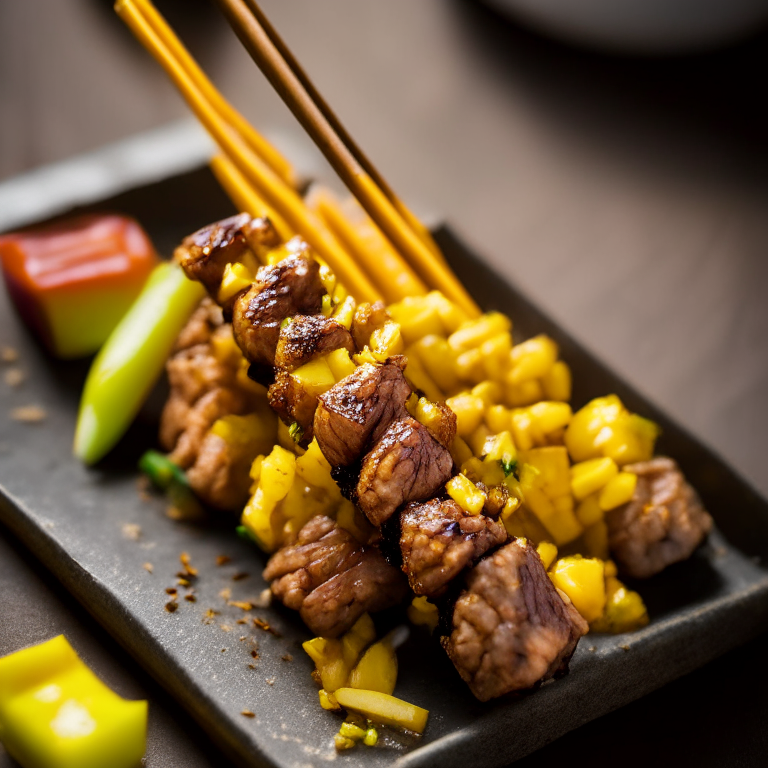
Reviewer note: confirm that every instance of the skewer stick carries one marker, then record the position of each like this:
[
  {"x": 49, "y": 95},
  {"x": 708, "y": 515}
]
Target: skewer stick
[
  {"x": 301, "y": 75},
  {"x": 261, "y": 147},
  {"x": 276, "y": 192},
  {"x": 379, "y": 208}
]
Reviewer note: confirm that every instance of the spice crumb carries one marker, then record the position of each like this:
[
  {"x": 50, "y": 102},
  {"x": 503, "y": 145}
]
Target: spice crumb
[
  {"x": 182, "y": 582},
  {"x": 242, "y": 638},
  {"x": 189, "y": 571},
  {"x": 8, "y": 354},
  {"x": 287, "y": 657},
  {"x": 270, "y": 681},
  {"x": 242, "y": 621},
  {"x": 226, "y": 628},
  {"x": 14, "y": 377},
  {"x": 223, "y": 559},
  {"x": 255, "y": 653},
  {"x": 241, "y": 604},
  {"x": 148, "y": 567},
  {"x": 223, "y": 650},
  {"x": 170, "y": 591},
  {"x": 171, "y": 606},
  {"x": 265, "y": 625},
  {"x": 190, "y": 598},
  {"x": 592, "y": 648},
  {"x": 225, "y": 593},
  {"x": 131, "y": 531},
  {"x": 247, "y": 713},
  {"x": 240, "y": 576},
  {"x": 29, "y": 414},
  {"x": 624, "y": 647},
  {"x": 251, "y": 666}
]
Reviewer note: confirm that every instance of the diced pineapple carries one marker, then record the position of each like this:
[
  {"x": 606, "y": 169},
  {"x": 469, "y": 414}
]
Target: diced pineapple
[
  {"x": 624, "y": 609},
  {"x": 488, "y": 391},
  {"x": 417, "y": 318},
  {"x": 423, "y": 613},
  {"x": 557, "y": 382},
  {"x": 438, "y": 360},
  {"x": 498, "y": 418},
  {"x": 377, "y": 669},
  {"x": 349, "y": 517},
  {"x": 496, "y": 355},
  {"x": 617, "y": 491},
  {"x": 532, "y": 359},
  {"x": 277, "y": 473},
  {"x": 466, "y": 494},
  {"x": 589, "y": 511},
  {"x": 583, "y": 580},
  {"x": 460, "y": 451},
  {"x": 386, "y": 341},
  {"x": 344, "y": 312},
  {"x": 340, "y": 363},
  {"x": 357, "y": 639},
  {"x": 315, "y": 377},
  {"x": 547, "y": 552},
  {"x": 523, "y": 393},
  {"x": 469, "y": 366},
  {"x": 554, "y": 469},
  {"x": 419, "y": 378},
  {"x": 237, "y": 277},
  {"x": 452, "y": 316},
  {"x": 551, "y": 416},
  {"x": 590, "y": 476},
  {"x": 474, "y": 332},
  {"x": 469, "y": 411}
]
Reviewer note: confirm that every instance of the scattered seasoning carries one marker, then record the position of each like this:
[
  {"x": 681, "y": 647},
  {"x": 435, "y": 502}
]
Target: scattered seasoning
[
  {"x": 247, "y": 713},
  {"x": 240, "y": 576},
  {"x": 148, "y": 567},
  {"x": 29, "y": 414},
  {"x": 190, "y": 598},
  {"x": 223, "y": 650},
  {"x": 592, "y": 648},
  {"x": 14, "y": 377},
  {"x": 287, "y": 657},
  {"x": 624, "y": 647},
  {"x": 242, "y": 605},
  {"x": 188, "y": 571},
  {"x": 251, "y": 666},
  {"x": 265, "y": 625},
  {"x": 243, "y": 638},
  {"x": 226, "y": 628},
  {"x": 8, "y": 354},
  {"x": 182, "y": 583},
  {"x": 170, "y": 590},
  {"x": 255, "y": 653},
  {"x": 264, "y": 600},
  {"x": 223, "y": 559},
  {"x": 209, "y": 614},
  {"x": 242, "y": 621},
  {"x": 225, "y": 593},
  {"x": 171, "y": 606},
  {"x": 131, "y": 531},
  {"x": 270, "y": 681}
]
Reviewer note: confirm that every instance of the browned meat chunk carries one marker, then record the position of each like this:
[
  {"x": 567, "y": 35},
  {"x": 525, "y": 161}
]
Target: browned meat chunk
[
  {"x": 291, "y": 287},
  {"x": 367, "y": 319},
  {"x": 444, "y": 428},
  {"x": 355, "y": 412},
  {"x": 332, "y": 579},
  {"x": 293, "y": 403},
  {"x": 438, "y": 539},
  {"x": 204, "y": 254},
  {"x": 663, "y": 524},
  {"x": 308, "y": 337},
  {"x": 511, "y": 628},
  {"x": 406, "y": 464}
]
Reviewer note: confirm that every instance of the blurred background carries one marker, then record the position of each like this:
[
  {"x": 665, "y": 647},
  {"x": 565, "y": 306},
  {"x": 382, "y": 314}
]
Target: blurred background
[{"x": 627, "y": 194}]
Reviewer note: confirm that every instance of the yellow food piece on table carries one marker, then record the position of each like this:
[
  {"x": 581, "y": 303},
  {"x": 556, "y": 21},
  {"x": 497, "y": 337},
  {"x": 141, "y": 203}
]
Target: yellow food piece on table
[
  {"x": 257, "y": 518},
  {"x": 488, "y": 391},
  {"x": 469, "y": 366},
  {"x": 522, "y": 430},
  {"x": 423, "y": 613},
  {"x": 557, "y": 382},
  {"x": 523, "y": 394},
  {"x": 417, "y": 375},
  {"x": 480, "y": 471},
  {"x": 478, "y": 439},
  {"x": 253, "y": 432},
  {"x": 384, "y": 709},
  {"x": 328, "y": 700},
  {"x": 314, "y": 468},
  {"x": 386, "y": 341},
  {"x": 583, "y": 580},
  {"x": 498, "y": 418},
  {"x": 496, "y": 355},
  {"x": 277, "y": 473},
  {"x": 522, "y": 523},
  {"x": 327, "y": 653},
  {"x": 590, "y": 476},
  {"x": 451, "y": 315},
  {"x": 345, "y": 311},
  {"x": 237, "y": 277},
  {"x": 624, "y": 609},
  {"x": 315, "y": 377},
  {"x": 466, "y": 494},
  {"x": 532, "y": 359},
  {"x": 460, "y": 451},
  {"x": 500, "y": 447},
  {"x": 469, "y": 411},
  {"x": 340, "y": 363},
  {"x": 55, "y": 713},
  {"x": 547, "y": 552},
  {"x": 471, "y": 334},
  {"x": 589, "y": 511},
  {"x": 357, "y": 639},
  {"x": 617, "y": 491},
  {"x": 428, "y": 414},
  {"x": 377, "y": 669},
  {"x": 554, "y": 469},
  {"x": 550, "y": 416},
  {"x": 416, "y": 317},
  {"x": 349, "y": 517},
  {"x": 438, "y": 359}
]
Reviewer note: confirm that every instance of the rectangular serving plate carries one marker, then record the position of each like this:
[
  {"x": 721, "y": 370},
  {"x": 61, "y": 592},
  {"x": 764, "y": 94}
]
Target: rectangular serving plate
[{"x": 73, "y": 519}]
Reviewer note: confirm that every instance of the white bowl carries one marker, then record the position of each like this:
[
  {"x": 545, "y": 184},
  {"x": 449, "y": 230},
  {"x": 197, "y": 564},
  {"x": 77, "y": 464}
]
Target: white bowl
[{"x": 641, "y": 26}]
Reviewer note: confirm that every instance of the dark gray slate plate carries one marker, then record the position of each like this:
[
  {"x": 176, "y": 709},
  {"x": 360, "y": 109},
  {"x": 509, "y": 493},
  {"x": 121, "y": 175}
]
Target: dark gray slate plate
[{"x": 74, "y": 520}]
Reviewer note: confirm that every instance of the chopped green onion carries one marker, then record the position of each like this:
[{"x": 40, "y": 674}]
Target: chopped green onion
[
  {"x": 296, "y": 431},
  {"x": 509, "y": 466}
]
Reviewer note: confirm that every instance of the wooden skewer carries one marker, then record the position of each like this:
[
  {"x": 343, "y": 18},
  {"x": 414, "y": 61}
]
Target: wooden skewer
[
  {"x": 380, "y": 209},
  {"x": 261, "y": 147},
  {"x": 339, "y": 129},
  {"x": 276, "y": 192}
]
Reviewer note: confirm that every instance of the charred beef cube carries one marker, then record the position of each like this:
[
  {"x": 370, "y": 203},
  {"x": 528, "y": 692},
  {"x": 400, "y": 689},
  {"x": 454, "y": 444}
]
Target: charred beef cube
[
  {"x": 308, "y": 337},
  {"x": 332, "y": 579},
  {"x": 662, "y": 524},
  {"x": 356, "y": 412},
  {"x": 406, "y": 464},
  {"x": 367, "y": 319},
  {"x": 204, "y": 254},
  {"x": 511, "y": 628},
  {"x": 291, "y": 287},
  {"x": 438, "y": 539}
]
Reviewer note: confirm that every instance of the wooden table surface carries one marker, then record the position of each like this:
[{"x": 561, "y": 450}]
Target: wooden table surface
[{"x": 628, "y": 197}]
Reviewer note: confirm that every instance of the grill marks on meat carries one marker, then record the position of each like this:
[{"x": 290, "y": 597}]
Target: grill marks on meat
[
  {"x": 438, "y": 539},
  {"x": 511, "y": 628},
  {"x": 204, "y": 254},
  {"x": 291, "y": 287},
  {"x": 332, "y": 579},
  {"x": 357, "y": 411},
  {"x": 662, "y": 524},
  {"x": 406, "y": 464}
]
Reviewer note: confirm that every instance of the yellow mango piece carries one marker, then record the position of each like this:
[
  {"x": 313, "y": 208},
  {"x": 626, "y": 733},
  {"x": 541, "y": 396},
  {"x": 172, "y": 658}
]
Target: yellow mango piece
[
  {"x": 313, "y": 468},
  {"x": 468, "y": 366},
  {"x": 557, "y": 382},
  {"x": 532, "y": 359},
  {"x": 583, "y": 580},
  {"x": 438, "y": 360},
  {"x": 451, "y": 315},
  {"x": 522, "y": 429},
  {"x": 417, "y": 318},
  {"x": 428, "y": 414},
  {"x": 345, "y": 311},
  {"x": 589, "y": 512},
  {"x": 551, "y": 416},
  {"x": 617, "y": 491},
  {"x": 54, "y": 712},
  {"x": 423, "y": 613},
  {"x": 329, "y": 661},
  {"x": 327, "y": 276},
  {"x": 253, "y": 433},
  {"x": 547, "y": 552},
  {"x": 501, "y": 448},
  {"x": 315, "y": 376},
  {"x": 377, "y": 669},
  {"x": 590, "y": 476},
  {"x": 554, "y": 469},
  {"x": 498, "y": 418},
  {"x": 328, "y": 701},
  {"x": 460, "y": 451},
  {"x": 418, "y": 377},
  {"x": 340, "y": 363},
  {"x": 469, "y": 411},
  {"x": 561, "y": 524},
  {"x": 522, "y": 523},
  {"x": 474, "y": 332},
  {"x": 386, "y": 341},
  {"x": 237, "y": 277},
  {"x": 478, "y": 439},
  {"x": 466, "y": 494},
  {"x": 384, "y": 709},
  {"x": 496, "y": 355},
  {"x": 277, "y": 473},
  {"x": 524, "y": 393},
  {"x": 624, "y": 609},
  {"x": 488, "y": 391},
  {"x": 357, "y": 639},
  {"x": 257, "y": 518}
]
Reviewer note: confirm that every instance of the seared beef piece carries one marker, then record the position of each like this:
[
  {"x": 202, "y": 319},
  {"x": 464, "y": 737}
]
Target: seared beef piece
[
  {"x": 308, "y": 337},
  {"x": 495, "y": 498},
  {"x": 664, "y": 522},
  {"x": 201, "y": 326},
  {"x": 291, "y": 287},
  {"x": 332, "y": 579},
  {"x": 204, "y": 254},
  {"x": 444, "y": 429},
  {"x": 438, "y": 539},
  {"x": 406, "y": 464},
  {"x": 355, "y": 412},
  {"x": 511, "y": 628},
  {"x": 367, "y": 319},
  {"x": 293, "y": 403}
]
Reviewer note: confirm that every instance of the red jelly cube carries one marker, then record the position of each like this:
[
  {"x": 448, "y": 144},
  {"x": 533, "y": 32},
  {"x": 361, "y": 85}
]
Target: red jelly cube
[{"x": 72, "y": 281}]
